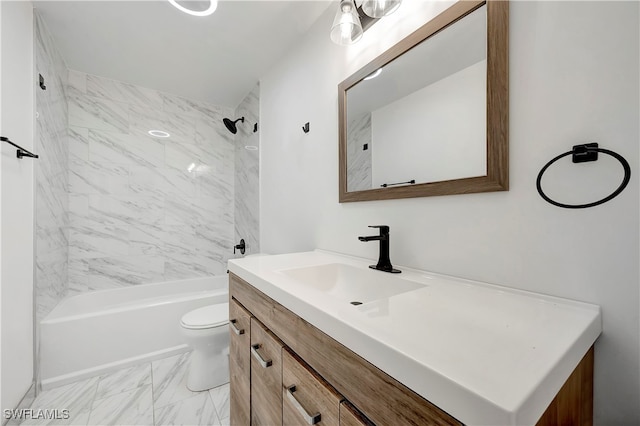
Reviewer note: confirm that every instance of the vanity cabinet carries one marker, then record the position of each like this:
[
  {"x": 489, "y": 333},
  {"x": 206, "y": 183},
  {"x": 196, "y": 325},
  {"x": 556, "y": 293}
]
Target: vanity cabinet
[
  {"x": 266, "y": 376},
  {"x": 306, "y": 397},
  {"x": 350, "y": 416},
  {"x": 239, "y": 364},
  {"x": 331, "y": 369},
  {"x": 314, "y": 379}
]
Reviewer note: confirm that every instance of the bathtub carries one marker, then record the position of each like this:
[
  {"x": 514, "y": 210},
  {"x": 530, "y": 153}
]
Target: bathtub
[{"x": 102, "y": 331}]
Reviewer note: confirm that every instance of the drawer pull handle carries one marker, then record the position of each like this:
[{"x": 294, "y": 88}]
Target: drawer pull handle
[
  {"x": 235, "y": 328},
  {"x": 254, "y": 351},
  {"x": 311, "y": 419}
]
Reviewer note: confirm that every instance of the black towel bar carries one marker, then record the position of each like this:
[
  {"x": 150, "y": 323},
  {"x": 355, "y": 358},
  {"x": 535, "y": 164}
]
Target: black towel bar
[{"x": 21, "y": 151}]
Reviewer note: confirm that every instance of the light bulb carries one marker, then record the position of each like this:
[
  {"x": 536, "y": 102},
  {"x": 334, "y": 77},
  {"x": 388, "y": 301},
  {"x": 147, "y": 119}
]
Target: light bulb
[{"x": 346, "y": 28}]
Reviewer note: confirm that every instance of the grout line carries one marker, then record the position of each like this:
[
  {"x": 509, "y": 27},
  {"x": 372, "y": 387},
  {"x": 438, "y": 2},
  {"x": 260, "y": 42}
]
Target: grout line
[
  {"x": 153, "y": 396},
  {"x": 93, "y": 400},
  {"x": 215, "y": 409}
]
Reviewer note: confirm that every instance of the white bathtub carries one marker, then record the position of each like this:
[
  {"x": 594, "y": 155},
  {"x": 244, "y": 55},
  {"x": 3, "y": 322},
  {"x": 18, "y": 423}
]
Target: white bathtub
[{"x": 102, "y": 331}]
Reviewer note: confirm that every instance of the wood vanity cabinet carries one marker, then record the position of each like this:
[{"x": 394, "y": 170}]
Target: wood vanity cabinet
[
  {"x": 332, "y": 385},
  {"x": 266, "y": 376},
  {"x": 377, "y": 396},
  {"x": 306, "y": 397},
  {"x": 239, "y": 364},
  {"x": 350, "y": 416}
]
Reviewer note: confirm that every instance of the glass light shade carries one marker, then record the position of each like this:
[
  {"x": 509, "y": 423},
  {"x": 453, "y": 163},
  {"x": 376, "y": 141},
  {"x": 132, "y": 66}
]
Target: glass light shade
[
  {"x": 380, "y": 8},
  {"x": 346, "y": 28}
]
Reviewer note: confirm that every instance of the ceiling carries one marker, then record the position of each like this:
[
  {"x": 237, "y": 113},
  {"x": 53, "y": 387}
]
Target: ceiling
[{"x": 217, "y": 59}]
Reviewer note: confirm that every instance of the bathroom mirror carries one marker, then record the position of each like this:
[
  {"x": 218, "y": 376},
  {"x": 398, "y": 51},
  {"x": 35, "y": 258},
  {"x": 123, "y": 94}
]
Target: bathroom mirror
[{"x": 430, "y": 115}]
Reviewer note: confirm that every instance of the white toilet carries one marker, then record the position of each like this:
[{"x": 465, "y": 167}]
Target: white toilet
[{"x": 208, "y": 334}]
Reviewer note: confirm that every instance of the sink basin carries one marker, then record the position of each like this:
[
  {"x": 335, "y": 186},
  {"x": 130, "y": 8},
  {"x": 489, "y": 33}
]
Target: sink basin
[{"x": 351, "y": 284}]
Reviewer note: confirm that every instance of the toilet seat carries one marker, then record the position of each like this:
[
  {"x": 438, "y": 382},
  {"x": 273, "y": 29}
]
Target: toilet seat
[{"x": 208, "y": 317}]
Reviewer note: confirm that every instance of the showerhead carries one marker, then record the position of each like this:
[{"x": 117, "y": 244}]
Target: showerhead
[{"x": 231, "y": 125}]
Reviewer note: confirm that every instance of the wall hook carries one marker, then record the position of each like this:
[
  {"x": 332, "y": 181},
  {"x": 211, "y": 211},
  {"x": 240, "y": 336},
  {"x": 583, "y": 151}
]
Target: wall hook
[
  {"x": 305, "y": 128},
  {"x": 41, "y": 82}
]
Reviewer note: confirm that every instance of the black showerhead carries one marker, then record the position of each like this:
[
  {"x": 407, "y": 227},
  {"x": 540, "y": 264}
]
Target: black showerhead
[{"x": 231, "y": 125}]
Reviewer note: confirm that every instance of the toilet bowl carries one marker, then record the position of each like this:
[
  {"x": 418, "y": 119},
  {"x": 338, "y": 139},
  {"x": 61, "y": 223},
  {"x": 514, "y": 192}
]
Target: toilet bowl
[{"x": 207, "y": 333}]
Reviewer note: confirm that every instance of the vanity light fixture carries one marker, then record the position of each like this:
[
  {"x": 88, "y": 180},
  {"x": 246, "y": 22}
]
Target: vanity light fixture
[
  {"x": 352, "y": 21},
  {"x": 158, "y": 133},
  {"x": 213, "y": 4},
  {"x": 380, "y": 8},
  {"x": 346, "y": 28}
]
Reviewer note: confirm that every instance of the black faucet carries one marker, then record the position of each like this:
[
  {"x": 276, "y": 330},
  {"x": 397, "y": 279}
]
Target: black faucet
[{"x": 384, "y": 263}]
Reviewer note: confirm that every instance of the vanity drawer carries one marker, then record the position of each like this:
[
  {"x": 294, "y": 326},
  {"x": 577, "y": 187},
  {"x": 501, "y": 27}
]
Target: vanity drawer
[
  {"x": 350, "y": 416},
  {"x": 239, "y": 363},
  {"x": 307, "y": 399},
  {"x": 266, "y": 376}
]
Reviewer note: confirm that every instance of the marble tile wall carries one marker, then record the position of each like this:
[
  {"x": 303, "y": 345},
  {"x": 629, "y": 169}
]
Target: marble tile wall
[
  {"x": 247, "y": 170},
  {"x": 145, "y": 209},
  {"x": 51, "y": 201},
  {"x": 359, "y": 173}
]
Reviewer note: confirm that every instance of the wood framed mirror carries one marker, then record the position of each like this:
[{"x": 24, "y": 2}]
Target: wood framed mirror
[{"x": 430, "y": 116}]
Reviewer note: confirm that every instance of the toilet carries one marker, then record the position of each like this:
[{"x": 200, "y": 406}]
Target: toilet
[{"x": 207, "y": 333}]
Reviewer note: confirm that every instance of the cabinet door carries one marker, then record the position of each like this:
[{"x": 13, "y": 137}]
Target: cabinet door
[
  {"x": 266, "y": 376},
  {"x": 307, "y": 399},
  {"x": 240, "y": 364},
  {"x": 350, "y": 416}
]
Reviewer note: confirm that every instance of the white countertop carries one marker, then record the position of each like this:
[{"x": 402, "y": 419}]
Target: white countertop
[{"x": 485, "y": 354}]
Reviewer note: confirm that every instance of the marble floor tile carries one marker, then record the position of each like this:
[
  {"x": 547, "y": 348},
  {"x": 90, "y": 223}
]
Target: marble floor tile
[
  {"x": 77, "y": 419},
  {"x": 153, "y": 393},
  {"x": 134, "y": 407},
  {"x": 170, "y": 380},
  {"x": 220, "y": 398},
  {"x": 124, "y": 380},
  {"x": 196, "y": 410},
  {"x": 75, "y": 397}
]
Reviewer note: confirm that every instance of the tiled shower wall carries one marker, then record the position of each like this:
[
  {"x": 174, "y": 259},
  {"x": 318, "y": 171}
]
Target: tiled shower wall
[
  {"x": 247, "y": 204},
  {"x": 145, "y": 209},
  {"x": 359, "y": 173},
  {"x": 51, "y": 202}
]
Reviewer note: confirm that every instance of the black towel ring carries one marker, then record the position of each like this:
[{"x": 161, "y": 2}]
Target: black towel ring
[{"x": 584, "y": 153}]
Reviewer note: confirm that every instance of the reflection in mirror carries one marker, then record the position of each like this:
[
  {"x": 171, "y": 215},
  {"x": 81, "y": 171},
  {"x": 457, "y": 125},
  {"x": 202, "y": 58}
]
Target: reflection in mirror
[
  {"x": 422, "y": 117},
  {"x": 430, "y": 115}
]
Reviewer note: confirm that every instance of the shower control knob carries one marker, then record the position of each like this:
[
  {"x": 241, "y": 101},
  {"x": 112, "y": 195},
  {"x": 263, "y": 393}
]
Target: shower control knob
[{"x": 240, "y": 247}]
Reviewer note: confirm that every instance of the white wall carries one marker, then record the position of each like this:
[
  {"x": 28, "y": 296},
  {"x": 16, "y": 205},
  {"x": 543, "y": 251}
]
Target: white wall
[
  {"x": 16, "y": 291},
  {"x": 573, "y": 78},
  {"x": 436, "y": 133}
]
